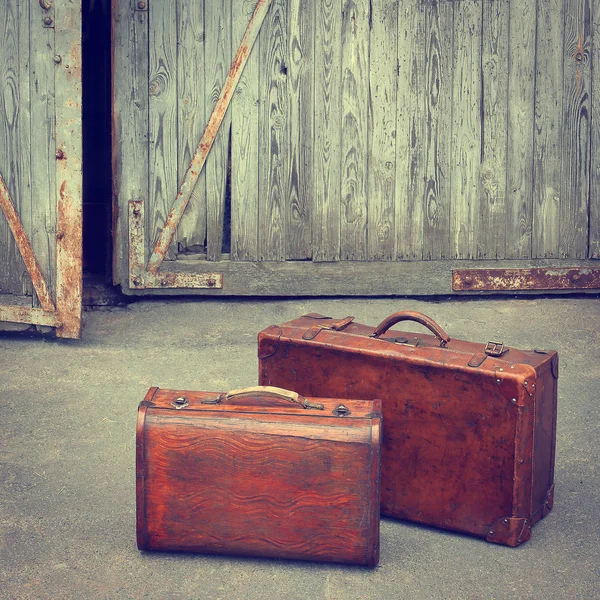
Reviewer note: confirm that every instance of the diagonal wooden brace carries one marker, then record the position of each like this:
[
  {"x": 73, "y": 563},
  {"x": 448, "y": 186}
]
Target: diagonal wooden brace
[
  {"x": 208, "y": 138},
  {"x": 31, "y": 263}
]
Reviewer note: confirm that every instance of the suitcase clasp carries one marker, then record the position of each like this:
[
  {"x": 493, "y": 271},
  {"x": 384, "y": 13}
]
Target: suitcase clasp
[
  {"x": 495, "y": 349},
  {"x": 341, "y": 411},
  {"x": 180, "y": 403}
]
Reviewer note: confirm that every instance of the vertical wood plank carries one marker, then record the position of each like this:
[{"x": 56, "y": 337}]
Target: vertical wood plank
[
  {"x": 218, "y": 56},
  {"x": 594, "y": 249},
  {"x": 547, "y": 133},
  {"x": 163, "y": 116},
  {"x": 69, "y": 285},
  {"x": 300, "y": 59},
  {"x": 43, "y": 146},
  {"x": 381, "y": 158},
  {"x": 466, "y": 129},
  {"x": 191, "y": 232},
  {"x": 13, "y": 274},
  {"x": 273, "y": 166},
  {"x": 521, "y": 84},
  {"x": 130, "y": 103},
  {"x": 575, "y": 138},
  {"x": 491, "y": 231},
  {"x": 355, "y": 85},
  {"x": 245, "y": 111},
  {"x": 438, "y": 134},
  {"x": 327, "y": 142},
  {"x": 410, "y": 170}
]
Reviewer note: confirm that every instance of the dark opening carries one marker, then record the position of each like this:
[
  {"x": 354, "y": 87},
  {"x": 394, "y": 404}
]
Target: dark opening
[{"x": 96, "y": 117}]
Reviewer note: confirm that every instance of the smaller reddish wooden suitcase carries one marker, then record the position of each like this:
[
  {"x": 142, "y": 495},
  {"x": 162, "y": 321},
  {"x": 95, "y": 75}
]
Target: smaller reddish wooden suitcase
[
  {"x": 469, "y": 429},
  {"x": 259, "y": 472}
]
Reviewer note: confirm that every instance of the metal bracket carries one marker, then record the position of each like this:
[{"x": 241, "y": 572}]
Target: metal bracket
[{"x": 141, "y": 279}]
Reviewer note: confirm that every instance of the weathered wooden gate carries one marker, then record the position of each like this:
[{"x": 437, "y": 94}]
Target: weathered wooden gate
[
  {"x": 40, "y": 164},
  {"x": 371, "y": 147}
]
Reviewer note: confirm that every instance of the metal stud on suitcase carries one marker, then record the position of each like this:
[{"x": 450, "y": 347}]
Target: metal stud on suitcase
[
  {"x": 469, "y": 429},
  {"x": 259, "y": 472}
]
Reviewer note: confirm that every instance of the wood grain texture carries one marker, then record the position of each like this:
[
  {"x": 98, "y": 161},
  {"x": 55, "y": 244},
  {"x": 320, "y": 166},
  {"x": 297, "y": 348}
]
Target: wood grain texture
[
  {"x": 13, "y": 134},
  {"x": 218, "y": 56},
  {"x": 191, "y": 121},
  {"x": 245, "y": 122},
  {"x": 521, "y": 83},
  {"x": 439, "y": 37},
  {"x": 410, "y": 133},
  {"x": 285, "y": 485},
  {"x": 327, "y": 144},
  {"x": 43, "y": 145},
  {"x": 130, "y": 125},
  {"x": 594, "y": 243},
  {"x": 491, "y": 228},
  {"x": 547, "y": 133},
  {"x": 274, "y": 134},
  {"x": 458, "y": 472},
  {"x": 466, "y": 129},
  {"x": 300, "y": 66},
  {"x": 575, "y": 134},
  {"x": 381, "y": 159},
  {"x": 163, "y": 132},
  {"x": 355, "y": 85}
]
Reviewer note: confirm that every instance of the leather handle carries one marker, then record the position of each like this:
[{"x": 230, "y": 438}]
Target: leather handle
[
  {"x": 271, "y": 392},
  {"x": 410, "y": 315}
]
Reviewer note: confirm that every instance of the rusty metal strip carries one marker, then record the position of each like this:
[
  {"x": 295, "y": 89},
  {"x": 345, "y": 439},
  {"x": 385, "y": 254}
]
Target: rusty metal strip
[
  {"x": 31, "y": 263},
  {"x": 505, "y": 280},
  {"x": 69, "y": 285},
  {"x": 141, "y": 279},
  {"x": 208, "y": 138},
  {"x": 28, "y": 315}
]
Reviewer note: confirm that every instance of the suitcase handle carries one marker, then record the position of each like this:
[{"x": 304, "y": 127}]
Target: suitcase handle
[
  {"x": 410, "y": 315},
  {"x": 272, "y": 392}
]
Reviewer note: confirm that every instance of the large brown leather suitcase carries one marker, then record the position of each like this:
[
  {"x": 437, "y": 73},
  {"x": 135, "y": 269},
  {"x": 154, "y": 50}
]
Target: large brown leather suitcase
[
  {"x": 469, "y": 429},
  {"x": 259, "y": 472}
]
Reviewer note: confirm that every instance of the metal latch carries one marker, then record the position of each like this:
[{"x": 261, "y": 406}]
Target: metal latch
[
  {"x": 180, "y": 403},
  {"x": 495, "y": 349},
  {"x": 341, "y": 411}
]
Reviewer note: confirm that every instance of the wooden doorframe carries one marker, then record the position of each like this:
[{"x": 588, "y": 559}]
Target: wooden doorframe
[{"x": 64, "y": 312}]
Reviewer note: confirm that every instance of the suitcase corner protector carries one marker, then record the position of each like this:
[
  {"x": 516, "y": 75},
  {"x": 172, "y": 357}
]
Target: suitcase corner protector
[{"x": 509, "y": 531}]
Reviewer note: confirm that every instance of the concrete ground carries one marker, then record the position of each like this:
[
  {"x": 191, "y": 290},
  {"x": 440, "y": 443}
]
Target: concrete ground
[{"x": 67, "y": 459}]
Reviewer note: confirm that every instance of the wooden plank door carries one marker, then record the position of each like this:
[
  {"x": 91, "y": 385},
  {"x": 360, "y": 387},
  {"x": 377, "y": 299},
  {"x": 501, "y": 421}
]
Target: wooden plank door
[
  {"x": 371, "y": 146},
  {"x": 40, "y": 165}
]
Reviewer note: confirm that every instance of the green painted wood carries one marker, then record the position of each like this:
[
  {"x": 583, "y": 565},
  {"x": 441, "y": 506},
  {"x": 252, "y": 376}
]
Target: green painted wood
[
  {"x": 594, "y": 249},
  {"x": 355, "y": 85},
  {"x": 13, "y": 136},
  {"x": 300, "y": 72},
  {"x": 274, "y": 171},
  {"x": 163, "y": 134},
  {"x": 245, "y": 125},
  {"x": 575, "y": 134},
  {"x": 491, "y": 228},
  {"x": 381, "y": 160},
  {"x": 410, "y": 132},
  {"x": 438, "y": 132},
  {"x": 218, "y": 57},
  {"x": 327, "y": 141},
  {"x": 521, "y": 82},
  {"x": 466, "y": 129},
  {"x": 191, "y": 118},
  {"x": 548, "y": 130}
]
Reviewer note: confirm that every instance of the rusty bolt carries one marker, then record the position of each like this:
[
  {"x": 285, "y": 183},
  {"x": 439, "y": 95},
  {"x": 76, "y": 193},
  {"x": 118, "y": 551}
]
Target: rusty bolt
[
  {"x": 468, "y": 280},
  {"x": 60, "y": 154},
  {"x": 137, "y": 280},
  {"x": 142, "y": 5},
  {"x": 57, "y": 59},
  {"x": 48, "y": 21},
  {"x": 578, "y": 56},
  {"x": 576, "y": 277},
  {"x": 164, "y": 282},
  {"x": 60, "y": 235},
  {"x": 211, "y": 282}
]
